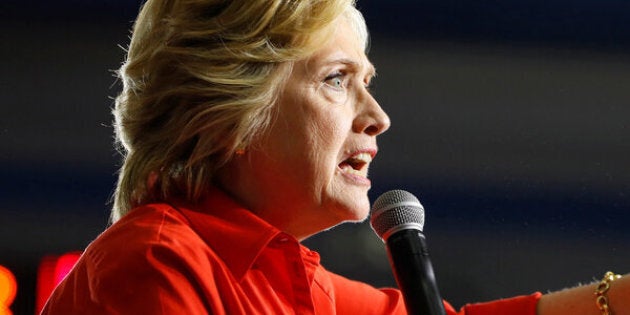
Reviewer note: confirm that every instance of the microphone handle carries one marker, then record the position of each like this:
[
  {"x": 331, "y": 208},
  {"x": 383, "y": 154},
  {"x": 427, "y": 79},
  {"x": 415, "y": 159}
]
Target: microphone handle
[{"x": 413, "y": 271}]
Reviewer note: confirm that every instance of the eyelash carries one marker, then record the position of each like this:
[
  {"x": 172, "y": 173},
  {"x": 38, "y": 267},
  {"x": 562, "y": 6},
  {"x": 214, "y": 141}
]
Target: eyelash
[
  {"x": 342, "y": 76},
  {"x": 336, "y": 75}
]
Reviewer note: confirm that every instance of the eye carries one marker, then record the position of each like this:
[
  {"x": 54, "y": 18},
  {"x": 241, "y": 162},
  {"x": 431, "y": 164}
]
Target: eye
[
  {"x": 368, "y": 81},
  {"x": 335, "y": 80},
  {"x": 368, "y": 85}
]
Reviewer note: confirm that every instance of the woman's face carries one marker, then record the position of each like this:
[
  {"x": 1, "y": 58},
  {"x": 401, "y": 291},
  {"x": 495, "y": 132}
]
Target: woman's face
[{"x": 310, "y": 171}]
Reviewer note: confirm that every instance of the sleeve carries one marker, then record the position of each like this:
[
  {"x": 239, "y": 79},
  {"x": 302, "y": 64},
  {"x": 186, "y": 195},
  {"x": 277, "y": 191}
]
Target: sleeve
[
  {"x": 366, "y": 299},
  {"x": 354, "y": 297},
  {"x": 520, "y": 305}
]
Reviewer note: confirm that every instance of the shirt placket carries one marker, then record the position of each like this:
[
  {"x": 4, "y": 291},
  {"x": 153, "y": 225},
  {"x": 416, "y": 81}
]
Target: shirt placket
[{"x": 300, "y": 279}]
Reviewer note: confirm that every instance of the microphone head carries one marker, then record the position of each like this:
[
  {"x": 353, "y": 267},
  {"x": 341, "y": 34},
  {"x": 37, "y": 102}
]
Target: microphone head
[{"x": 396, "y": 210}]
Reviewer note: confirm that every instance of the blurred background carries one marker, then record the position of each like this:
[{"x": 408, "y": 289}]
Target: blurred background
[{"x": 510, "y": 123}]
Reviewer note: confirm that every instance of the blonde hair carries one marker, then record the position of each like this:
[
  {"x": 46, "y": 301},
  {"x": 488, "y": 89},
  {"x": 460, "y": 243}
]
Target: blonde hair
[{"x": 200, "y": 81}]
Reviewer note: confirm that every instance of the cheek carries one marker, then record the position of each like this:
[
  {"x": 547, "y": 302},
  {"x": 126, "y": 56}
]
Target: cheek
[
  {"x": 334, "y": 97},
  {"x": 320, "y": 143},
  {"x": 316, "y": 147},
  {"x": 328, "y": 136},
  {"x": 315, "y": 134},
  {"x": 309, "y": 147}
]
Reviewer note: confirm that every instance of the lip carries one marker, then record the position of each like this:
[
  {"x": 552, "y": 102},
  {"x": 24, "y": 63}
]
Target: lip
[
  {"x": 355, "y": 178},
  {"x": 371, "y": 151}
]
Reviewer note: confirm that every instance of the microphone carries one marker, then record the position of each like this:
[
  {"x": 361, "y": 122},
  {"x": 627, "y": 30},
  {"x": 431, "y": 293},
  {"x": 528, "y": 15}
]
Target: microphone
[{"x": 397, "y": 217}]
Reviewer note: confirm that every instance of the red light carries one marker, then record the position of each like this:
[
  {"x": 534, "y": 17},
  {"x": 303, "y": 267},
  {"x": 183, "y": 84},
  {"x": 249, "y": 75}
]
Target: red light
[
  {"x": 8, "y": 288},
  {"x": 51, "y": 272}
]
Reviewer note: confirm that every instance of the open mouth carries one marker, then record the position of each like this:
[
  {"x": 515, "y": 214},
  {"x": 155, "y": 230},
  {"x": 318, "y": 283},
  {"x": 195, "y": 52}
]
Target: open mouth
[{"x": 356, "y": 164}]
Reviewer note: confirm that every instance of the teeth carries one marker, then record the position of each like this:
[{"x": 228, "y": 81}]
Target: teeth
[
  {"x": 352, "y": 171},
  {"x": 363, "y": 157}
]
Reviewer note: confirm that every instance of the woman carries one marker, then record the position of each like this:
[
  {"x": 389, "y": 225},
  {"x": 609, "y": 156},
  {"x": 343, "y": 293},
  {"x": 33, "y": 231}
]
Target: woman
[{"x": 246, "y": 126}]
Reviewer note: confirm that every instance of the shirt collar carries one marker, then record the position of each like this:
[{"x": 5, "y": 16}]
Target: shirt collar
[{"x": 236, "y": 234}]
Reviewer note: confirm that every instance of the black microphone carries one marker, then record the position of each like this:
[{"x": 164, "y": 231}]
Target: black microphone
[{"x": 398, "y": 218}]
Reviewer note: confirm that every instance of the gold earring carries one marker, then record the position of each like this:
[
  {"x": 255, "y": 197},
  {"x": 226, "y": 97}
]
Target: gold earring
[{"x": 240, "y": 150}]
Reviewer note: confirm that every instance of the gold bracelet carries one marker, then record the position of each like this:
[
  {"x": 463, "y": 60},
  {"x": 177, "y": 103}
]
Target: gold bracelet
[{"x": 600, "y": 292}]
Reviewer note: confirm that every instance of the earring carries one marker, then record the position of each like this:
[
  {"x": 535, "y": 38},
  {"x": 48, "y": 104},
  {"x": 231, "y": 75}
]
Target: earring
[{"x": 240, "y": 150}]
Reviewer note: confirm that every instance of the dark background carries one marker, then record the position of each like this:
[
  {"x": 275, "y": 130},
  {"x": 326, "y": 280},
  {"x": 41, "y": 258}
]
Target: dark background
[{"x": 510, "y": 123}]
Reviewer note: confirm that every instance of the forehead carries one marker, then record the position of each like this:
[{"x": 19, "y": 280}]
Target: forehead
[{"x": 345, "y": 47}]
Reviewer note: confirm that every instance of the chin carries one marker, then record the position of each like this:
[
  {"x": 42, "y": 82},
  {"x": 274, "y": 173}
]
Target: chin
[
  {"x": 358, "y": 219},
  {"x": 357, "y": 212},
  {"x": 348, "y": 205}
]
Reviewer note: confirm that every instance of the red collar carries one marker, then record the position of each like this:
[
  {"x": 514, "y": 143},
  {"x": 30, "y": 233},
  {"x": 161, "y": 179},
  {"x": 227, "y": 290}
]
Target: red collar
[{"x": 236, "y": 234}]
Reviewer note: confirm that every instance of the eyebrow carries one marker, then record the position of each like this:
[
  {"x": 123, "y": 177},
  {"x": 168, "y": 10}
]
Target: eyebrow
[{"x": 371, "y": 70}]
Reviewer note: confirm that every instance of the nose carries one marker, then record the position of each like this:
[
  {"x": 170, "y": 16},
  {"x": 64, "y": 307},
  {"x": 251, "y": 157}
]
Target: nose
[{"x": 371, "y": 118}]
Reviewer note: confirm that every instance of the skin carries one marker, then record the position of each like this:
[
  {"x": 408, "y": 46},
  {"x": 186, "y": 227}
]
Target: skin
[
  {"x": 581, "y": 300},
  {"x": 294, "y": 176}
]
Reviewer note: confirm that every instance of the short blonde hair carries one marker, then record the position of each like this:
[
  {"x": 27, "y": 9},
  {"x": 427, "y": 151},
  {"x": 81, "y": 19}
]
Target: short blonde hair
[{"x": 200, "y": 81}]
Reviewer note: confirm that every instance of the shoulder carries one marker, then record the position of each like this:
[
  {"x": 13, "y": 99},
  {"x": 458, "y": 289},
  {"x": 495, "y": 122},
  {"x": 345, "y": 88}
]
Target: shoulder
[
  {"x": 155, "y": 253},
  {"x": 146, "y": 225},
  {"x": 148, "y": 235}
]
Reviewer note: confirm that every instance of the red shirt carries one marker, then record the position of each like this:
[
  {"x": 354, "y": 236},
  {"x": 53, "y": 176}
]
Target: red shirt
[{"x": 218, "y": 258}]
